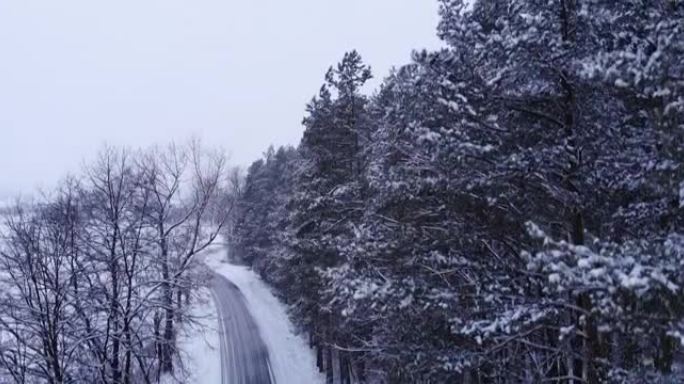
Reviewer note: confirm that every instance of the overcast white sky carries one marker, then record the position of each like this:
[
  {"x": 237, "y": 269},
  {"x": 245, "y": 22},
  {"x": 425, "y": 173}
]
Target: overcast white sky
[{"x": 75, "y": 74}]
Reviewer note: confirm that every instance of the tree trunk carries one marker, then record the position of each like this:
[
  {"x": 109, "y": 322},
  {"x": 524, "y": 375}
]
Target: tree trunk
[
  {"x": 344, "y": 368},
  {"x": 313, "y": 341},
  {"x": 467, "y": 376},
  {"x": 168, "y": 335},
  {"x": 179, "y": 301},
  {"x": 362, "y": 372},
  {"x": 127, "y": 361},
  {"x": 665, "y": 353},
  {"x": 616, "y": 349},
  {"x": 158, "y": 341},
  {"x": 319, "y": 358},
  {"x": 115, "y": 321},
  {"x": 329, "y": 369},
  {"x": 167, "y": 345}
]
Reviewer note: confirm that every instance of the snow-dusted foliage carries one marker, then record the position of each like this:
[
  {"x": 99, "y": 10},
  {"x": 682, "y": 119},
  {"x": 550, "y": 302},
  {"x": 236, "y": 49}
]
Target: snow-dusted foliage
[
  {"x": 507, "y": 209},
  {"x": 261, "y": 215}
]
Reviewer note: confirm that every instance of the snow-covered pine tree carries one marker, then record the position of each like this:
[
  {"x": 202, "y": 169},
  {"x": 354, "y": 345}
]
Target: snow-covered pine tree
[
  {"x": 507, "y": 209},
  {"x": 327, "y": 194},
  {"x": 566, "y": 138},
  {"x": 262, "y": 216}
]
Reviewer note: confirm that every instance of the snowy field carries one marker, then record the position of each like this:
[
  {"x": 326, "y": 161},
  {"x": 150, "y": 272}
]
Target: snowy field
[{"x": 292, "y": 361}]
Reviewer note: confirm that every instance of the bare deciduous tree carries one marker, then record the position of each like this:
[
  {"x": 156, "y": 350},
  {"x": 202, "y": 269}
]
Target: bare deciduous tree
[{"x": 95, "y": 275}]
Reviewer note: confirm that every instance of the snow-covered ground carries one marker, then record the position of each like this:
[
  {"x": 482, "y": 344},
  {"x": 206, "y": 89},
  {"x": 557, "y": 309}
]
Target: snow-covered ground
[
  {"x": 199, "y": 343},
  {"x": 292, "y": 361}
]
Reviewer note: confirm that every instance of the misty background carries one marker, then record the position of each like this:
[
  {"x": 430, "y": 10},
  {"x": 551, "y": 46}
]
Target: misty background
[{"x": 77, "y": 74}]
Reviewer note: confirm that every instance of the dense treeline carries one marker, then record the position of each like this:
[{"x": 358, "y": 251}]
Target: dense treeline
[
  {"x": 97, "y": 274},
  {"x": 507, "y": 209}
]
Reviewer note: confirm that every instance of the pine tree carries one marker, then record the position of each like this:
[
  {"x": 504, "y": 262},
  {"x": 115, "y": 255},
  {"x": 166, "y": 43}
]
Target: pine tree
[
  {"x": 327, "y": 190},
  {"x": 506, "y": 209}
]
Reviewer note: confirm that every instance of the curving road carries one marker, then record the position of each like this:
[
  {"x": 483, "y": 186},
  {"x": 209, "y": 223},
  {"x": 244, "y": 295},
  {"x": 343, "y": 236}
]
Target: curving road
[{"x": 244, "y": 356}]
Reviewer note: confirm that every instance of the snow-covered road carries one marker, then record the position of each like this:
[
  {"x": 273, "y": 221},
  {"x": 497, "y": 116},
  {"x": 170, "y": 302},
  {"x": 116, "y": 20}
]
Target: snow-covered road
[
  {"x": 244, "y": 356},
  {"x": 259, "y": 332}
]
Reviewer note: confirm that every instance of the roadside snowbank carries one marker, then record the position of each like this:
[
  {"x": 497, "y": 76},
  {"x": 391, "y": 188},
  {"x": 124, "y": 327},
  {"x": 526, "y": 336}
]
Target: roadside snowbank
[
  {"x": 199, "y": 343},
  {"x": 292, "y": 360}
]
